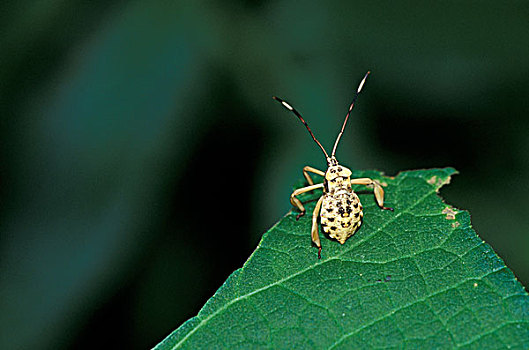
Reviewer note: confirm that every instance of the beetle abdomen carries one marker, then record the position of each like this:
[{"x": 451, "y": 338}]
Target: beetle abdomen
[{"x": 341, "y": 215}]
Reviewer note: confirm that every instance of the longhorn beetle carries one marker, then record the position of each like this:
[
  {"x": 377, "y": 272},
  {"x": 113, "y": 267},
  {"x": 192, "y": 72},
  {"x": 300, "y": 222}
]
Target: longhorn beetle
[{"x": 339, "y": 207}]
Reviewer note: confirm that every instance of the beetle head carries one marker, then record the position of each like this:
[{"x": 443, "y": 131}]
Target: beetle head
[{"x": 337, "y": 170}]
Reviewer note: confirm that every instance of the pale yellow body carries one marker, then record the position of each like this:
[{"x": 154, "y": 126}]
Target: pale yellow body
[{"x": 339, "y": 208}]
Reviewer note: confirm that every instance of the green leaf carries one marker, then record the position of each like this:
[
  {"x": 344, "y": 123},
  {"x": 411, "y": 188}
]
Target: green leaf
[{"x": 417, "y": 277}]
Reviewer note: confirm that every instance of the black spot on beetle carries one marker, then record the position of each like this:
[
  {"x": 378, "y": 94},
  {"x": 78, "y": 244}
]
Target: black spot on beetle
[
  {"x": 340, "y": 210},
  {"x": 331, "y": 219},
  {"x": 349, "y": 201},
  {"x": 340, "y": 169},
  {"x": 333, "y": 228},
  {"x": 349, "y": 210},
  {"x": 355, "y": 205},
  {"x": 357, "y": 215}
]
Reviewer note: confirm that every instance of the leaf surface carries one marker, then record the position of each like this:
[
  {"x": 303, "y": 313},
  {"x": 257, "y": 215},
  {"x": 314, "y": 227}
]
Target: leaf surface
[{"x": 417, "y": 277}]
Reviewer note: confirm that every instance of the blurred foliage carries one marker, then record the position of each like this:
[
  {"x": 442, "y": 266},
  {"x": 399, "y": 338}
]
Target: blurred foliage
[{"x": 125, "y": 123}]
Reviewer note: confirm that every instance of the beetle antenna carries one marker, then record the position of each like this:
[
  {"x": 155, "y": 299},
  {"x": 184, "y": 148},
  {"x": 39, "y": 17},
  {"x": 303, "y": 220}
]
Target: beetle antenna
[
  {"x": 349, "y": 112},
  {"x": 290, "y": 108}
]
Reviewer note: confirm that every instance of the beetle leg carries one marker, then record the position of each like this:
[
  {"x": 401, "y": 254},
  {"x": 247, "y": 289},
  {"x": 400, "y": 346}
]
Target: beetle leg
[
  {"x": 379, "y": 191},
  {"x": 312, "y": 170},
  {"x": 314, "y": 232},
  {"x": 296, "y": 202}
]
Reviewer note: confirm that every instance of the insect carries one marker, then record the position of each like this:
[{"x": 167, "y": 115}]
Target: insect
[{"x": 339, "y": 207}]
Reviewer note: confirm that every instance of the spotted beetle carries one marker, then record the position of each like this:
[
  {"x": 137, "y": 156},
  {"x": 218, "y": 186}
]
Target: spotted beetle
[{"x": 339, "y": 207}]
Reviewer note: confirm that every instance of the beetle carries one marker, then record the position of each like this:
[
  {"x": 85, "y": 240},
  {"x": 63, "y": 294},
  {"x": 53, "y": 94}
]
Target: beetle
[{"x": 339, "y": 207}]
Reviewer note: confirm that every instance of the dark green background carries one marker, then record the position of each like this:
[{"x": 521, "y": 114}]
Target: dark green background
[{"x": 142, "y": 156}]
